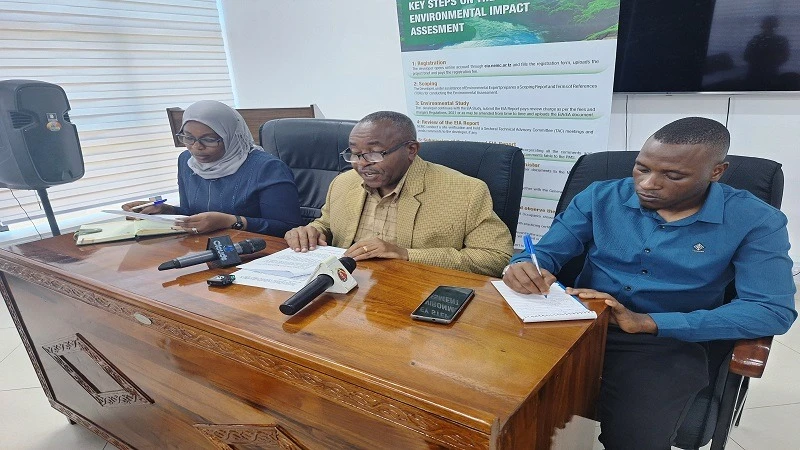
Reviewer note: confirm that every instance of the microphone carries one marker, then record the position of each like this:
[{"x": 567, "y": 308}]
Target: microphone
[
  {"x": 244, "y": 247},
  {"x": 332, "y": 275}
]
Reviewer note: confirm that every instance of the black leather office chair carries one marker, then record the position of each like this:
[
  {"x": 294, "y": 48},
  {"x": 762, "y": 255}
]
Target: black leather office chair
[
  {"x": 310, "y": 147},
  {"x": 501, "y": 167},
  {"x": 717, "y": 407}
]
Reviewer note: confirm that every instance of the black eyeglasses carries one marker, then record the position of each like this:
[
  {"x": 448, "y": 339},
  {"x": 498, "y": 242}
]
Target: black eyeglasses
[
  {"x": 204, "y": 141},
  {"x": 372, "y": 157}
]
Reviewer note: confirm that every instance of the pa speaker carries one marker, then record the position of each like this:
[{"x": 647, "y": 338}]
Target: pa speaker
[{"x": 39, "y": 146}]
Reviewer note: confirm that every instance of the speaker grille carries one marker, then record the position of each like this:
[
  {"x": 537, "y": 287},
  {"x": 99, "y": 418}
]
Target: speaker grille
[{"x": 19, "y": 120}]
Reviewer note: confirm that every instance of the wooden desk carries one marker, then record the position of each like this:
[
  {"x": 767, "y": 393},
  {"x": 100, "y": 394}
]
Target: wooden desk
[{"x": 150, "y": 359}]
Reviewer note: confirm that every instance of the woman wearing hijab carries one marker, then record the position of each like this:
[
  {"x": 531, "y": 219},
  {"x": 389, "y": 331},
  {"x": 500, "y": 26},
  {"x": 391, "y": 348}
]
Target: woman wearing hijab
[{"x": 225, "y": 180}]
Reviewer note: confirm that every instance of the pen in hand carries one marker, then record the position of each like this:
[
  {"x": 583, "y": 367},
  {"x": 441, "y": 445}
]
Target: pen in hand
[
  {"x": 532, "y": 251},
  {"x": 145, "y": 205}
]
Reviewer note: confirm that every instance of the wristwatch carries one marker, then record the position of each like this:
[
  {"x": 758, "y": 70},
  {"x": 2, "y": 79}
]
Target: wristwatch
[{"x": 238, "y": 225}]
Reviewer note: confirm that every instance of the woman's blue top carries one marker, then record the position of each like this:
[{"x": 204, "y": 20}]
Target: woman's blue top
[{"x": 262, "y": 190}]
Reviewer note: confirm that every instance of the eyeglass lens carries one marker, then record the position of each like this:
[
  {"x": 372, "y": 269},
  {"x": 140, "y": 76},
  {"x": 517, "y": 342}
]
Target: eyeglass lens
[
  {"x": 372, "y": 157},
  {"x": 349, "y": 156},
  {"x": 204, "y": 141}
]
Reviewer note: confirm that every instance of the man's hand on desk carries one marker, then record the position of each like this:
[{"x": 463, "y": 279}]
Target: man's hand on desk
[
  {"x": 627, "y": 320},
  {"x": 303, "y": 239},
  {"x": 375, "y": 248},
  {"x": 525, "y": 279}
]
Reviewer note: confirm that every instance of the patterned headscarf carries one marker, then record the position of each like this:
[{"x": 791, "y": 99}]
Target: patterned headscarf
[{"x": 230, "y": 126}]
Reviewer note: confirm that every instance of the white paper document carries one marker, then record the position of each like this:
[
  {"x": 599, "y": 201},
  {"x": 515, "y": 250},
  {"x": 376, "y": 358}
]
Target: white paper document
[
  {"x": 166, "y": 218},
  {"x": 267, "y": 281},
  {"x": 536, "y": 308},
  {"x": 285, "y": 270}
]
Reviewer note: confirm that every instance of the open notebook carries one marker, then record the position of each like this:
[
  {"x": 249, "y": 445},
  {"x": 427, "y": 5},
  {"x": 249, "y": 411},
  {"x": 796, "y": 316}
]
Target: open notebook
[
  {"x": 95, "y": 233},
  {"x": 536, "y": 308}
]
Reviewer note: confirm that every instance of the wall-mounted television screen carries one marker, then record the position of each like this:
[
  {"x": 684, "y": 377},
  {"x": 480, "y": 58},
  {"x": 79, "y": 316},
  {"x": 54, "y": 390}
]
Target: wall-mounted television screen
[{"x": 708, "y": 46}]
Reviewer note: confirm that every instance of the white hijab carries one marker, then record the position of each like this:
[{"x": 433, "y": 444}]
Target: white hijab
[{"x": 230, "y": 126}]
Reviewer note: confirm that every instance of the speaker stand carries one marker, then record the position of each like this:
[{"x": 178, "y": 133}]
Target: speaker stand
[{"x": 48, "y": 211}]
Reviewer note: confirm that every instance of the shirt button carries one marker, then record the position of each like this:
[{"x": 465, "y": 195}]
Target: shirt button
[
  {"x": 628, "y": 288},
  {"x": 662, "y": 226},
  {"x": 647, "y": 250},
  {"x": 644, "y": 271}
]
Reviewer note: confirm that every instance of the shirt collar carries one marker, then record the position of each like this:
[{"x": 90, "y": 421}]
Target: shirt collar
[
  {"x": 712, "y": 210},
  {"x": 714, "y": 206}
]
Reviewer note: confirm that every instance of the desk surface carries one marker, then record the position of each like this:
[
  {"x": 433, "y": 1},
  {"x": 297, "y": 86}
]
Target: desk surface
[{"x": 476, "y": 372}]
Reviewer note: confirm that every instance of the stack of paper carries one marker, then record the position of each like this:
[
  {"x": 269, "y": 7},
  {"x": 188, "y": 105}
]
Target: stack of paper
[
  {"x": 558, "y": 305},
  {"x": 285, "y": 270}
]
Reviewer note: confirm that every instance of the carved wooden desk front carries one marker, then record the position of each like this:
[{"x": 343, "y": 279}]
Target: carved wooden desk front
[{"x": 150, "y": 359}]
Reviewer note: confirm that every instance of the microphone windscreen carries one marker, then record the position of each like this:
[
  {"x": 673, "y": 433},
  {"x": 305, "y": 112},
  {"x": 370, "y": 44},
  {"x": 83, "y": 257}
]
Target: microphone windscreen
[
  {"x": 168, "y": 265},
  {"x": 252, "y": 245},
  {"x": 348, "y": 263}
]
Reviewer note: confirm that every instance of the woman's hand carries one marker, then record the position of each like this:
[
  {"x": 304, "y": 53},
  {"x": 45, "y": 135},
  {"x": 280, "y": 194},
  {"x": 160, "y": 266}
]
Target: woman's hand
[{"x": 207, "y": 221}]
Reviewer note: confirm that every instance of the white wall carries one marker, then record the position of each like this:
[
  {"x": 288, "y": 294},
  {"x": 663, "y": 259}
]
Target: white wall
[{"x": 344, "y": 55}]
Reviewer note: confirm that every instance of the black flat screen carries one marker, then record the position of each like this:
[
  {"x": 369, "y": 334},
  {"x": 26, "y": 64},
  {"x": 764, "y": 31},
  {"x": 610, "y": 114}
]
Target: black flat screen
[{"x": 708, "y": 46}]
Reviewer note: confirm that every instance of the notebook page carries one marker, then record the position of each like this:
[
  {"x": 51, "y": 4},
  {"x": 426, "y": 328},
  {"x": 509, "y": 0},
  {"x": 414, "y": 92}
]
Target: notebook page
[
  {"x": 105, "y": 232},
  {"x": 536, "y": 308}
]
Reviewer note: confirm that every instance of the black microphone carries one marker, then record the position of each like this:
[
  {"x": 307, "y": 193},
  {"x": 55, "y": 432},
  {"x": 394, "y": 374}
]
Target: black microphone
[
  {"x": 244, "y": 247},
  {"x": 320, "y": 284}
]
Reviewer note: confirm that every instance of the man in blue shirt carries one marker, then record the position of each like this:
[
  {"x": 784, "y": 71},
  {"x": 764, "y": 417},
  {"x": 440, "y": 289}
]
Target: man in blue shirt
[{"x": 661, "y": 247}]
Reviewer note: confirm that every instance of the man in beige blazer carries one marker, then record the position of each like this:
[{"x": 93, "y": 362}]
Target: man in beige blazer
[{"x": 395, "y": 205}]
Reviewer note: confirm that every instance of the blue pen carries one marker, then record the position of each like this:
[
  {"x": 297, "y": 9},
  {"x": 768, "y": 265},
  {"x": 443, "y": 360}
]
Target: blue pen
[
  {"x": 157, "y": 202},
  {"x": 532, "y": 251}
]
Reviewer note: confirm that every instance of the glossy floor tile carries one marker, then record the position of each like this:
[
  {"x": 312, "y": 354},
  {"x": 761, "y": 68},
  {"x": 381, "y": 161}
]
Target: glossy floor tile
[
  {"x": 9, "y": 340},
  {"x": 5, "y": 317},
  {"x": 31, "y": 424},
  {"x": 773, "y": 428}
]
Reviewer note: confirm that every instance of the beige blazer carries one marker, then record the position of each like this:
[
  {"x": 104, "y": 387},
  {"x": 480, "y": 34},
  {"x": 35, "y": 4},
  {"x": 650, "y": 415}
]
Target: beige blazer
[{"x": 444, "y": 218}]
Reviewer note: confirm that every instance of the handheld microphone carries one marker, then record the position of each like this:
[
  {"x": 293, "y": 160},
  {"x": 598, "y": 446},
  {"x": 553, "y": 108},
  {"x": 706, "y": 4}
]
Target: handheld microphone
[
  {"x": 244, "y": 247},
  {"x": 332, "y": 275}
]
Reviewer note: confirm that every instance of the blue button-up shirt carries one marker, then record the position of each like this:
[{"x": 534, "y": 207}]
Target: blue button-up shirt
[{"x": 677, "y": 271}]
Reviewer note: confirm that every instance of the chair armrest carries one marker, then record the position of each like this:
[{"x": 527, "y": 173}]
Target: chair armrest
[{"x": 750, "y": 356}]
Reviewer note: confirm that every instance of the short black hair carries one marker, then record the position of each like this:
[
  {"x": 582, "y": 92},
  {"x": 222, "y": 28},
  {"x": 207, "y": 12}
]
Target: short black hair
[
  {"x": 401, "y": 121},
  {"x": 694, "y": 131}
]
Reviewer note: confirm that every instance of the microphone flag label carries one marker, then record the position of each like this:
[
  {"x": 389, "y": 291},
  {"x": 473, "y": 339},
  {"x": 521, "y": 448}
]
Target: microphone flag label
[
  {"x": 226, "y": 252},
  {"x": 342, "y": 274}
]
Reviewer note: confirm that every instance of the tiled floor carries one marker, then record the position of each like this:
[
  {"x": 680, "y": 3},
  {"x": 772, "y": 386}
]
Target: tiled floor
[{"x": 28, "y": 422}]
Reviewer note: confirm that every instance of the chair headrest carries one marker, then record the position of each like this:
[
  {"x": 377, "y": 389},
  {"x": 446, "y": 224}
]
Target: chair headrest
[{"x": 308, "y": 143}]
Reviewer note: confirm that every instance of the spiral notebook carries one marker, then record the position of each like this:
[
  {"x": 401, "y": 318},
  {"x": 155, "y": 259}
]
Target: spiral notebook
[{"x": 536, "y": 308}]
